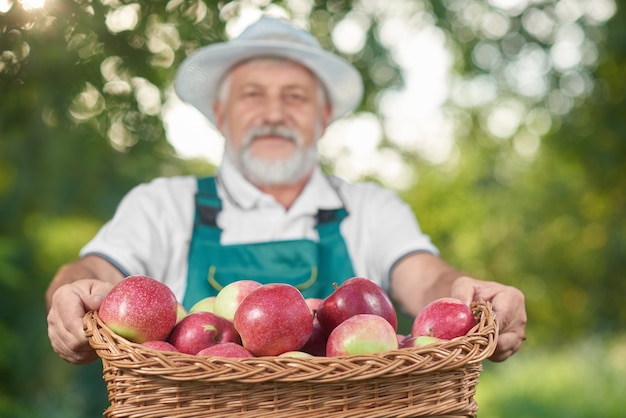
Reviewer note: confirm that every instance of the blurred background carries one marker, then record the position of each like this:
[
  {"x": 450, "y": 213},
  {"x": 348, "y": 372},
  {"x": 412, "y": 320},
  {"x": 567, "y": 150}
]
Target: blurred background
[{"x": 502, "y": 123}]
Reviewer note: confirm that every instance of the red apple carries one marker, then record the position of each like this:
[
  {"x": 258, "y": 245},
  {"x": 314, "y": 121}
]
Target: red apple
[
  {"x": 313, "y": 304},
  {"x": 228, "y": 349},
  {"x": 444, "y": 318},
  {"x": 160, "y": 345},
  {"x": 419, "y": 341},
  {"x": 316, "y": 344},
  {"x": 199, "y": 330},
  {"x": 361, "y": 334},
  {"x": 229, "y": 298},
  {"x": 140, "y": 308},
  {"x": 204, "y": 305},
  {"x": 273, "y": 319},
  {"x": 355, "y": 296}
]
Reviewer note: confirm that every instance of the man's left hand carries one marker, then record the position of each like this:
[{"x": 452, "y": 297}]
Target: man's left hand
[{"x": 508, "y": 305}]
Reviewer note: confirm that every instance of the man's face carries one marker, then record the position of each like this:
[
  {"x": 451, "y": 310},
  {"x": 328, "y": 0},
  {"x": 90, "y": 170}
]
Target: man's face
[{"x": 273, "y": 115}]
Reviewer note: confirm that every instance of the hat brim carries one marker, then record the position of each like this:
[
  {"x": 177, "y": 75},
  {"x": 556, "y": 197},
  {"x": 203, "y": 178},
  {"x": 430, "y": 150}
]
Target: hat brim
[{"x": 197, "y": 78}]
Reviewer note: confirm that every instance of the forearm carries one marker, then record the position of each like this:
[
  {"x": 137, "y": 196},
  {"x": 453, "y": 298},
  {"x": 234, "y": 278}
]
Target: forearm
[
  {"x": 89, "y": 267},
  {"x": 419, "y": 279}
]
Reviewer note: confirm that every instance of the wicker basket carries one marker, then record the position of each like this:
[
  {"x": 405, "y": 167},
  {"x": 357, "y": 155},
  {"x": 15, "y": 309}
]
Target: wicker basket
[{"x": 438, "y": 380}]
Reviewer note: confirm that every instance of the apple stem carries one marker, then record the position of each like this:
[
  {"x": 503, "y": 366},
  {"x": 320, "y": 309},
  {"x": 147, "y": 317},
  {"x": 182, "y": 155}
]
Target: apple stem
[
  {"x": 335, "y": 285},
  {"x": 431, "y": 332}
]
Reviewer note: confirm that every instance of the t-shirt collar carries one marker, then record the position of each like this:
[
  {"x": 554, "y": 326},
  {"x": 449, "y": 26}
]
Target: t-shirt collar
[{"x": 317, "y": 194}]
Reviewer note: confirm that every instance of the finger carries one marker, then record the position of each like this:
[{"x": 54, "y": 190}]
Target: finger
[
  {"x": 93, "y": 302},
  {"x": 463, "y": 289},
  {"x": 508, "y": 344}
]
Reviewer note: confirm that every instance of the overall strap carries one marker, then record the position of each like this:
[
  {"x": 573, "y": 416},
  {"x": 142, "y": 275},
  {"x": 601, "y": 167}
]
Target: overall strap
[
  {"x": 207, "y": 207},
  {"x": 335, "y": 264},
  {"x": 208, "y": 204}
]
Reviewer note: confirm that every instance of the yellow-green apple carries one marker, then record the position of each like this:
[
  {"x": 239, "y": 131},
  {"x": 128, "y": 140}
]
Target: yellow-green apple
[
  {"x": 204, "y": 305},
  {"x": 295, "y": 354},
  {"x": 273, "y": 319},
  {"x": 316, "y": 344},
  {"x": 230, "y": 296},
  {"x": 200, "y": 330},
  {"x": 140, "y": 308},
  {"x": 419, "y": 341},
  {"x": 228, "y": 349},
  {"x": 361, "y": 334},
  {"x": 181, "y": 312},
  {"x": 356, "y": 295},
  {"x": 160, "y": 345},
  {"x": 444, "y": 318}
]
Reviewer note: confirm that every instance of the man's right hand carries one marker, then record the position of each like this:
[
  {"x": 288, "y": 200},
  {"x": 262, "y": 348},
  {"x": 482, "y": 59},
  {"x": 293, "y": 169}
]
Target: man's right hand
[{"x": 69, "y": 304}]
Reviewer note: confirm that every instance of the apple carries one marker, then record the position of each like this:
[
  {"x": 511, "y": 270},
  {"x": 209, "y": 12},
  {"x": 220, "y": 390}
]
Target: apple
[
  {"x": 316, "y": 344},
  {"x": 227, "y": 349},
  {"x": 313, "y": 304},
  {"x": 181, "y": 312},
  {"x": 419, "y": 341},
  {"x": 199, "y": 330},
  {"x": 204, "y": 305},
  {"x": 444, "y": 318},
  {"x": 229, "y": 298},
  {"x": 273, "y": 319},
  {"x": 362, "y": 334},
  {"x": 140, "y": 308},
  {"x": 295, "y": 354},
  {"x": 160, "y": 345},
  {"x": 355, "y": 296}
]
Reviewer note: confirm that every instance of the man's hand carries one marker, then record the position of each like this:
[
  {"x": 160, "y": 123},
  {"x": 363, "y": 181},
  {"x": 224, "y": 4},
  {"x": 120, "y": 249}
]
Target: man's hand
[
  {"x": 69, "y": 304},
  {"x": 508, "y": 305}
]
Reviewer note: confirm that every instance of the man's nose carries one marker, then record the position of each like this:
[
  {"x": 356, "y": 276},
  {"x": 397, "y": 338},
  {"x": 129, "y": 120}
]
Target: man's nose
[{"x": 274, "y": 111}]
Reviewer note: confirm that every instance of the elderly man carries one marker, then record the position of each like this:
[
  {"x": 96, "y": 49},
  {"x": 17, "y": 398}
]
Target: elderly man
[{"x": 269, "y": 214}]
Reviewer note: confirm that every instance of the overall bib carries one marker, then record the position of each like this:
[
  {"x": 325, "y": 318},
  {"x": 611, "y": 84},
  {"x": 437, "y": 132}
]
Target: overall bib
[{"x": 310, "y": 266}]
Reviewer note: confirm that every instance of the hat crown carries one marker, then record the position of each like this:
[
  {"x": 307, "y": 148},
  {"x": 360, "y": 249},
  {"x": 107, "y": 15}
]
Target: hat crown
[
  {"x": 279, "y": 30},
  {"x": 198, "y": 78}
]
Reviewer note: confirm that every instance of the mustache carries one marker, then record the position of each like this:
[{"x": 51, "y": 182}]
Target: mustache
[{"x": 272, "y": 130}]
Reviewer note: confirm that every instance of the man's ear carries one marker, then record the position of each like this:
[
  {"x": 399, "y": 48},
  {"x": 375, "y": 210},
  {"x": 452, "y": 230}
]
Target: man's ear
[
  {"x": 327, "y": 113},
  {"x": 218, "y": 114}
]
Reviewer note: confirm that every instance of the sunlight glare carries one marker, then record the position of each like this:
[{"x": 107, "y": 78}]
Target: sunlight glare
[
  {"x": 190, "y": 133},
  {"x": 5, "y": 5},
  {"x": 32, "y": 4}
]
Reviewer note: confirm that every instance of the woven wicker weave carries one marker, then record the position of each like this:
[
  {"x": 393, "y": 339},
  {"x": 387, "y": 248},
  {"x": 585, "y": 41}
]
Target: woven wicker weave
[{"x": 438, "y": 380}]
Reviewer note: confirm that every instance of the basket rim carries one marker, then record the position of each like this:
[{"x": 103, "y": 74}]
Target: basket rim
[{"x": 469, "y": 350}]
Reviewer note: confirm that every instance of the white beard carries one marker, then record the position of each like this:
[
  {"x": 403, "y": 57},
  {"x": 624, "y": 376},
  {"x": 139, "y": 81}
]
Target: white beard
[{"x": 273, "y": 172}]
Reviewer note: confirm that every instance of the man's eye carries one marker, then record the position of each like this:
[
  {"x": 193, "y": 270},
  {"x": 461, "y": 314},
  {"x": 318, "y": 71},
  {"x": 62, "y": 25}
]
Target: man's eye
[
  {"x": 251, "y": 94},
  {"x": 296, "y": 97}
]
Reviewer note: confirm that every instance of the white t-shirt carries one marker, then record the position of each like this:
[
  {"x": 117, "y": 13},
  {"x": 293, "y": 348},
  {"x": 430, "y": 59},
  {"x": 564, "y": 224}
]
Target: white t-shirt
[{"x": 152, "y": 226}]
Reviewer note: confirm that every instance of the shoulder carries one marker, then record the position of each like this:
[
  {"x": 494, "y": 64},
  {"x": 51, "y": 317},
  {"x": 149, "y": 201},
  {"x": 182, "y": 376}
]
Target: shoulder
[
  {"x": 162, "y": 196},
  {"x": 166, "y": 187},
  {"x": 370, "y": 194}
]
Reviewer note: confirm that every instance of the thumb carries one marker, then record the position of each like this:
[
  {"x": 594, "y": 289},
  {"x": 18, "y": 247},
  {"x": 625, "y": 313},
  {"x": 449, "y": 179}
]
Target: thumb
[
  {"x": 463, "y": 289},
  {"x": 93, "y": 302}
]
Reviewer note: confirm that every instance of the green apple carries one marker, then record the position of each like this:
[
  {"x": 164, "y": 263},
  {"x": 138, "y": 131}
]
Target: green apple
[
  {"x": 295, "y": 354},
  {"x": 230, "y": 297},
  {"x": 419, "y": 341},
  {"x": 204, "y": 305},
  {"x": 362, "y": 334}
]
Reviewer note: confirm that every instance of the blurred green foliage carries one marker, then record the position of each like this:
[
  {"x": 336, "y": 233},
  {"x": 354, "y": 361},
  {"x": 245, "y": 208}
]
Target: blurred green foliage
[
  {"x": 76, "y": 133},
  {"x": 581, "y": 380}
]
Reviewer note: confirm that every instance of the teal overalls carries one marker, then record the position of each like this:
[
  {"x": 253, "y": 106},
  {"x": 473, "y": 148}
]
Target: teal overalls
[{"x": 310, "y": 266}]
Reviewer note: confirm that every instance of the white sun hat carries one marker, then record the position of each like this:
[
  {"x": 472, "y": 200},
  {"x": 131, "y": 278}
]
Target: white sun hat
[{"x": 198, "y": 76}]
